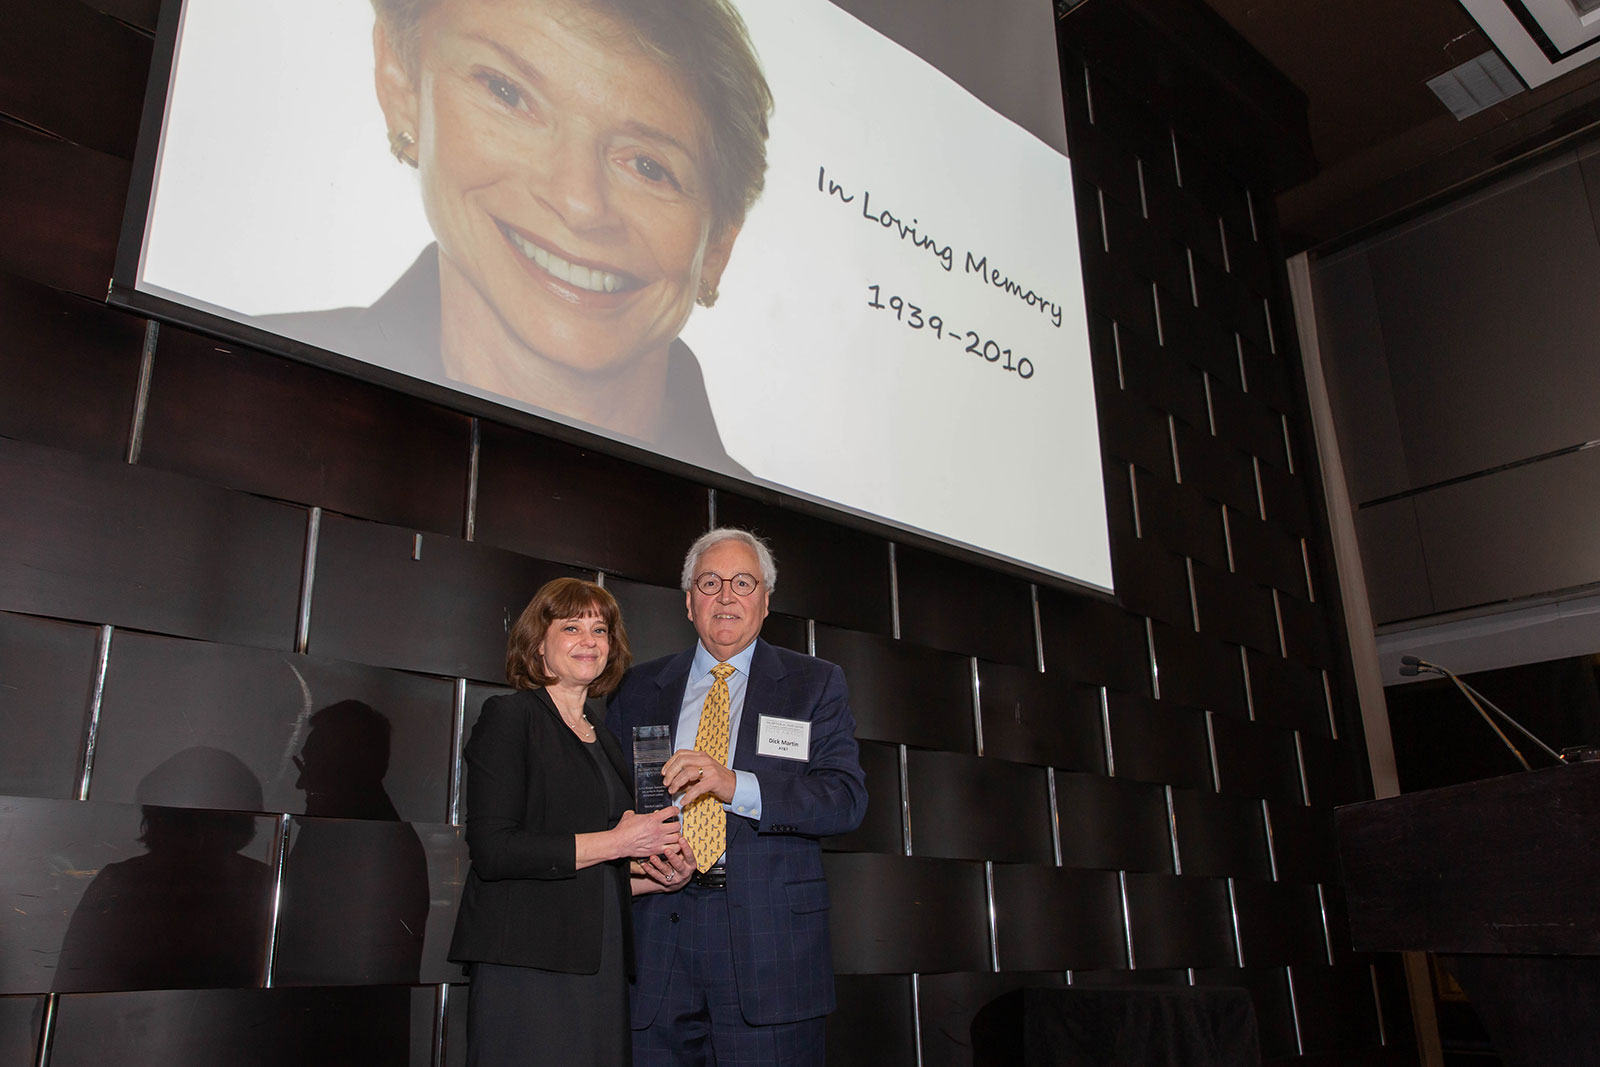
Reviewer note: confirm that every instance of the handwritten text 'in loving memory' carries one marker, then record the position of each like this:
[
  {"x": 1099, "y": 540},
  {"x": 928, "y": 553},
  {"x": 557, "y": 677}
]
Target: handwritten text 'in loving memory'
[{"x": 910, "y": 232}]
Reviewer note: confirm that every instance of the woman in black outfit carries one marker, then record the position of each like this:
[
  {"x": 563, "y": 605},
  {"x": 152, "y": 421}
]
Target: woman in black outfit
[{"x": 544, "y": 920}]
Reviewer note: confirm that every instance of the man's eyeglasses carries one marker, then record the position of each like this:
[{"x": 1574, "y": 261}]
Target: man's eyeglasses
[{"x": 711, "y": 584}]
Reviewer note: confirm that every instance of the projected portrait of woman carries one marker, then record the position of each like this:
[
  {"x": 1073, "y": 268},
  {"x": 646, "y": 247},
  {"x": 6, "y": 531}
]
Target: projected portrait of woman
[{"x": 585, "y": 167}]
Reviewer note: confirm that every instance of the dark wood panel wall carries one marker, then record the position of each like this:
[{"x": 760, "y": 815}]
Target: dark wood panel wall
[{"x": 249, "y": 608}]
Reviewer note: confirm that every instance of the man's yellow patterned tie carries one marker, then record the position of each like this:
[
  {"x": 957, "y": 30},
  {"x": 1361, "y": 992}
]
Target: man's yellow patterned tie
[{"x": 705, "y": 824}]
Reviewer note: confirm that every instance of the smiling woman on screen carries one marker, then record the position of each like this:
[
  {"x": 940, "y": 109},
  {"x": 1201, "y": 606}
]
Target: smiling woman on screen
[{"x": 585, "y": 166}]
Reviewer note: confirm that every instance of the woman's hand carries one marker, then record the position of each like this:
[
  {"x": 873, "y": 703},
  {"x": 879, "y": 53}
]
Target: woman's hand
[
  {"x": 662, "y": 873},
  {"x": 638, "y": 836}
]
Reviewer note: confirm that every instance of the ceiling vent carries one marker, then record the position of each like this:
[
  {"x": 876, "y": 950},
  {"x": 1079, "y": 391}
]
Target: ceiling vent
[{"x": 1480, "y": 82}]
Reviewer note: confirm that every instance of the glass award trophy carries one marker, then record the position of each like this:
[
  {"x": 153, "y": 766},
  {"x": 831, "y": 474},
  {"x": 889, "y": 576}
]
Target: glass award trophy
[{"x": 651, "y": 747}]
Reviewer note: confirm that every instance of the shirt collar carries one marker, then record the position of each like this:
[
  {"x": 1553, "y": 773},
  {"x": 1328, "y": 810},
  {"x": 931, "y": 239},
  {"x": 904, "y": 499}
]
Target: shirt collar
[{"x": 704, "y": 661}]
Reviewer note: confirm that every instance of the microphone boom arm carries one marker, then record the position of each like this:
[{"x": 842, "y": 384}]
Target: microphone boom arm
[{"x": 1492, "y": 724}]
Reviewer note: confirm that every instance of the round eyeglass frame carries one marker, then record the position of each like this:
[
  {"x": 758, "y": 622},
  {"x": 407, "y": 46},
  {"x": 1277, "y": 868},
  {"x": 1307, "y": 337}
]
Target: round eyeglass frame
[{"x": 709, "y": 583}]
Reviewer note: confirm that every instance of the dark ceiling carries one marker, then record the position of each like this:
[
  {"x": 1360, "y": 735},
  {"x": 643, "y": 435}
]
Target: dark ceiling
[{"x": 1385, "y": 146}]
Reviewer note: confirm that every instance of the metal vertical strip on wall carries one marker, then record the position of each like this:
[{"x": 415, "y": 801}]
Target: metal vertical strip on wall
[
  {"x": 1272, "y": 842},
  {"x": 1105, "y": 733},
  {"x": 894, "y": 593},
  {"x": 977, "y": 705},
  {"x": 1172, "y": 831},
  {"x": 280, "y": 852},
  {"x": 47, "y": 1030},
  {"x": 1127, "y": 920},
  {"x": 1300, "y": 761},
  {"x": 141, "y": 395},
  {"x": 1277, "y": 615},
  {"x": 994, "y": 937},
  {"x": 811, "y": 637},
  {"x": 1211, "y": 749},
  {"x": 1133, "y": 493},
  {"x": 1172, "y": 446},
  {"x": 711, "y": 509},
  {"x": 1155, "y": 666},
  {"x": 1227, "y": 541},
  {"x": 1294, "y": 1012},
  {"x": 1233, "y": 915},
  {"x": 457, "y": 742},
  {"x": 1377, "y": 1003},
  {"x": 1038, "y": 627},
  {"x": 441, "y": 1019},
  {"x": 1249, "y": 691},
  {"x": 1055, "y": 814},
  {"x": 308, "y": 578},
  {"x": 916, "y": 1015},
  {"x": 91, "y": 729},
  {"x": 905, "y": 803},
  {"x": 469, "y": 525},
  {"x": 1327, "y": 934},
  {"x": 1327, "y": 697},
  {"x": 1194, "y": 601}
]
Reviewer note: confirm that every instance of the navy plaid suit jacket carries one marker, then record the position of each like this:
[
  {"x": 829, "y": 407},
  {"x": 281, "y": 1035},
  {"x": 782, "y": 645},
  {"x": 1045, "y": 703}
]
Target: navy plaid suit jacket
[{"x": 777, "y": 895}]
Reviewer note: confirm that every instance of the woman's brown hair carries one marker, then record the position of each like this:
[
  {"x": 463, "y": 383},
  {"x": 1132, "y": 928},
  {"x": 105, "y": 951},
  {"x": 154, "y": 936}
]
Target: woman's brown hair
[{"x": 565, "y": 598}]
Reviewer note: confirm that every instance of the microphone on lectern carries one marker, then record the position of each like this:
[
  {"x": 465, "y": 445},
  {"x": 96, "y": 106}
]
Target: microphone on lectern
[{"x": 1411, "y": 666}]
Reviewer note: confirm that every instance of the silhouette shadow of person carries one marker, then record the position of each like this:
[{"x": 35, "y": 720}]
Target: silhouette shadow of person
[
  {"x": 191, "y": 913},
  {"x": 355, "y": 884}
]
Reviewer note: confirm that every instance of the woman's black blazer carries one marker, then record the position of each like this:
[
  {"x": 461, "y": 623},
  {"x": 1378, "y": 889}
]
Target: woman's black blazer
[{"x": 530, "y": 787}]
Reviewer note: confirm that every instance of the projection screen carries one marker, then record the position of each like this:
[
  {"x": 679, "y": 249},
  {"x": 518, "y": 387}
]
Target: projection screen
[{"x": 569, "y": 210}]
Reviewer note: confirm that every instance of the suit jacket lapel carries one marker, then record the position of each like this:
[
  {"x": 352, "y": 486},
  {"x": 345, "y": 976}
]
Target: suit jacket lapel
[
  {"x": 671, "y": 683},
  {"x": 762, "y": 696}
]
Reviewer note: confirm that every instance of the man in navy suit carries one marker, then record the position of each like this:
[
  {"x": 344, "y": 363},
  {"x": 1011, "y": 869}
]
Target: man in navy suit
[{"x": 735, "y": 966}]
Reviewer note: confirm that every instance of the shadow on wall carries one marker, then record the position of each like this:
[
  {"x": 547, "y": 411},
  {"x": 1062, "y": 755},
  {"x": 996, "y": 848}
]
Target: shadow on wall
[
  {"x": 355, "y": 887},
  {"x": 191, "y": 912}
]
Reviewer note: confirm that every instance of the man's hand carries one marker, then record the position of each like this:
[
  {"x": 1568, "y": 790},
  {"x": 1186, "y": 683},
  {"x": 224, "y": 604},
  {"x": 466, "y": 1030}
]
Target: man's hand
[{"x": 696, "y": 774}]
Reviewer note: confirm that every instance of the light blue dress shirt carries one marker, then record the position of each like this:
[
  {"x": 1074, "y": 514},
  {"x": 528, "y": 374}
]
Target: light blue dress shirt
[{"x": 747, "y": 790}]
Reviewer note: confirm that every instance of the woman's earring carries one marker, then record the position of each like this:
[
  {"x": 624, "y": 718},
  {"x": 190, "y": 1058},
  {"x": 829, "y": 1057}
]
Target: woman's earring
[
  {"x": 707, "y": 296},
  {"x": 400, "y": 143}
]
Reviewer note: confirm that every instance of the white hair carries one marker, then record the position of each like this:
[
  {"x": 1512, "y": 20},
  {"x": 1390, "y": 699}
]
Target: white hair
[{"x": 711, "y": 538}]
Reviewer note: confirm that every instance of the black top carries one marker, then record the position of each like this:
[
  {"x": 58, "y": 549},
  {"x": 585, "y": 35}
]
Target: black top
[
  {"x": 532, "y": 785},
  {"x": 401, "y": 331}
]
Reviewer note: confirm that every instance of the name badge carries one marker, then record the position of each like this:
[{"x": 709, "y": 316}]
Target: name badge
[{"x": 784, "y": 738}]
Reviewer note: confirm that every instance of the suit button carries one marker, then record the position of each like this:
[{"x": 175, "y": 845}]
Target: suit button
[{"x": 674, "y": 916}]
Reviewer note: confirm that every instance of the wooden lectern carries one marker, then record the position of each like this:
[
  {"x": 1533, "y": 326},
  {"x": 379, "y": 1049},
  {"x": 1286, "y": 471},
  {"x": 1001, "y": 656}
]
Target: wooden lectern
[{"x": 1505, "y": 874}]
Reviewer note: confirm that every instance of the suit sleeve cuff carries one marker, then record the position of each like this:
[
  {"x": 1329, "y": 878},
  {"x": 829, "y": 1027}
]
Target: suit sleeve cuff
[{"x": 746, "y": 796}]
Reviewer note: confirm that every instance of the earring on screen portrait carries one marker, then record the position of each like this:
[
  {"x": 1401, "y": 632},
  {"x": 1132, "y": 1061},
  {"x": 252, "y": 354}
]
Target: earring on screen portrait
[
  {"x": 707, "y": 295},
  {"x": 400, "y": 143}
]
